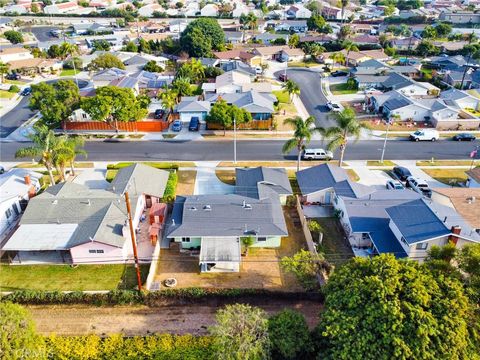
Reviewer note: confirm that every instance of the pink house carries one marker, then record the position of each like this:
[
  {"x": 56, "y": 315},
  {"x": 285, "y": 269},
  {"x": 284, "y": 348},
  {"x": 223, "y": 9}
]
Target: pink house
[{"x": 75, "y": 224}]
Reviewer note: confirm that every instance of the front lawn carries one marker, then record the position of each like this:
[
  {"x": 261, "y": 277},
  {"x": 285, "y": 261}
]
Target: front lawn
[
  {"x": 444, "y": 163},
  {"x": 66, "y": 278},
  {"x": 282, "y": 96},
  {"x": 388, "y": 163},
  {"x": 69, "y": 72},
  {"x": 342, "y": 89},
  {"x": 4, "y": 94},
  {"x": 452, "y": 177}
]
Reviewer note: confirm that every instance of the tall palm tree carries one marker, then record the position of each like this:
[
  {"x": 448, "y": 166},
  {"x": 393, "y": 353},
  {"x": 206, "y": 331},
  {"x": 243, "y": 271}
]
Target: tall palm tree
[
  {"x": 349, "y": 45},
  {"x": 292, "y": 88},
  {"x": 344, "y": 4},
  {"x": 4, "y": 68},
  {"x": 45, "y": 147},
  {"x": 347, "y": 125},
  {"x": 74, "y": 146},
  {"x": 338, "y": 58},
  {"x": 302, "y": 134},
  {"x": 181, "y": 85},
  {"x": 252, "y": 21},
  {"x": 169, "y": 99},
  {"x": 68, "y": 49}
]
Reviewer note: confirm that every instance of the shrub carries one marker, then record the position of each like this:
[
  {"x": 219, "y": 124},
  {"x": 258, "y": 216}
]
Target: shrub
[
  {"x": 171, "y": 188},
  {"x": 14, "y": 89},
  {"x": 314, "y": 226}
]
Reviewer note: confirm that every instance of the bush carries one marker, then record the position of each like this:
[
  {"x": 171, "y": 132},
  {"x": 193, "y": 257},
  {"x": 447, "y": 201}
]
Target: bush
[
  {"x": 14, "y": 89},
  {"x": 212, "y": 72},
  {"x": 157, "y": 165},
  {"x": 289, "y": 335},
  {"x": 171, "y": 188},
  {"x": 74, "y": 61}
]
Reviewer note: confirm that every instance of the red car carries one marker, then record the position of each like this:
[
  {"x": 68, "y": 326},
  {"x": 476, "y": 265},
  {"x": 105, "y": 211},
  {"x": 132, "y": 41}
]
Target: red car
[{"x": 283, "y": 77}]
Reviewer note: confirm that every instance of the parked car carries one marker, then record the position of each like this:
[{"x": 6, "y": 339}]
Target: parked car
[
  {"x": 159, "y": 113},
  {"x": 419, "y": 185},
  {"x": 464, "y": 137},
  {"x": 13, "y": 76},
  {"x": 401, "y": 173},
  {"x": 258, "y": 70},
  {"x": 317, "y": 154},
  {"x": 339, "y": 73},
  {"x": 425, "y": 135},
  {"x": 27, "y": 91},
  {"x": 2, "y": 169},
  {"x": 177, "y": 125},
  {"x": 333, "y": 107},
  {"x": 394, "y": 185},
  {"x": 194, "y": 124},
  {"x": 283, "y": 77}
]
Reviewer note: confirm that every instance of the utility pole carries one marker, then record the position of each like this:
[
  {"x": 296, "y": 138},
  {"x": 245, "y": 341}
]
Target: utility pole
[
  {"x": 385, "y": 141},
  {"x": 134, "y": 244},
  {"x": 466, "y": 68},
  {"x": 235, "y": 140}
]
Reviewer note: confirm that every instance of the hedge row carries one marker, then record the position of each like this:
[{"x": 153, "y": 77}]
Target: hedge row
[
  {"x": 130, "y": 297},
  {"x": 157, "y": 165},
  {"x": 171, "y": 187},
  {"x": 159, "y": 347}
]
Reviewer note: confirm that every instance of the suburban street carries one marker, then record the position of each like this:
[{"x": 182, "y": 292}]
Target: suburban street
[{"x": 255, "y": 150}]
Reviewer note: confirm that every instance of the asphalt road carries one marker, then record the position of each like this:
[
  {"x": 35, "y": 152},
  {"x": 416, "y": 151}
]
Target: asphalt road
[
  {"x": 255, "y": 150},
  {"x": 21, "y": 113},
  {"x": 42, "y": 33},
  {"x": 311, "y": 94}
]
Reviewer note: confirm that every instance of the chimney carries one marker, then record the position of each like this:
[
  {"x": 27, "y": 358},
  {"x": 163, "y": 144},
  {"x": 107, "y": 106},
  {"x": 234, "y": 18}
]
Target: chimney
[
  {"x": 28, "y": 181},
  {"x": 455, "y": 231}
]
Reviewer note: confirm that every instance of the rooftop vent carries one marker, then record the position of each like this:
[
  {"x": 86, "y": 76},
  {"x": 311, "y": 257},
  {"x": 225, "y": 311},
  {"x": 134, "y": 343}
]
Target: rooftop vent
[
  {"x": 192, "y": 208},
  {"x": 55, "y": 202},
  {"x": 173, "y": 222},
  {"x": 207, "y": 207},
  {"x": 248, "y": 207}
]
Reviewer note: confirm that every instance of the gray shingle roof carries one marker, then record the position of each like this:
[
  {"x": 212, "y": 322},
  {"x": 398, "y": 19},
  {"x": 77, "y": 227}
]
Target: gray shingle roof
[
  {"x": 320, "y": 177},
  {"x": 397, "y": 81},
  {"x": 260, "y": 182},
  {"x": 396, "y": 103},
  {"x": 193, "y": 106},
  {"x": 416, "y": 221},
  {"x": 225, "y": 215}
]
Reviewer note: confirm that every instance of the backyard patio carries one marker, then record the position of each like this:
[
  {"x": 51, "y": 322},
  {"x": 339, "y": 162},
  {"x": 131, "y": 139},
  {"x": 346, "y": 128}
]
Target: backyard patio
[{"x": 260, "y": 269}]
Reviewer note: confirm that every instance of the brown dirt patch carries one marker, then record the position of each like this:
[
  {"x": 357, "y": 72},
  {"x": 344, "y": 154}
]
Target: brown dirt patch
[
  {"x": 226, "y": 176},
  {"x": 186, "y": 182}
]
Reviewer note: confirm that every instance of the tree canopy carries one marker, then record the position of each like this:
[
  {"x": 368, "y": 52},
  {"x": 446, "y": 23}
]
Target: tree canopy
[
  {"x": 106, "y": 61},
  {"x": 224, "y": 114},
  {"x": 201, "y": 36},
  {"x": 383, "y": 308},
  {"x": 13, "y": 36}
]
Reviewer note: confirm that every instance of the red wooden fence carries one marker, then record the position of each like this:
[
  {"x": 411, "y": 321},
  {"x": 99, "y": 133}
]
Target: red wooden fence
[{"x": 133, "y": 126}]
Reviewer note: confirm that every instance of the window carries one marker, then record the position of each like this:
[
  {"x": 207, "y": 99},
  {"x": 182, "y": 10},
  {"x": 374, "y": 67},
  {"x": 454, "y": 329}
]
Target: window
[
  {"x": 262, "y": 238},
  {"x": 96, "y": 251},
  {"x": 185, "y": 239},
  {"x": 92, "y": 251},
  {"x": 403, "y": 240},
  {"x": 422, "y": 246},
  {"x": 8, "y": 213}
]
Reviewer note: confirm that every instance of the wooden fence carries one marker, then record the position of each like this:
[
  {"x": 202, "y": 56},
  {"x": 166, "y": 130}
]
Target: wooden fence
[
  {"x": 252, "y": 125},
  {"x": 133, "y": 126}
]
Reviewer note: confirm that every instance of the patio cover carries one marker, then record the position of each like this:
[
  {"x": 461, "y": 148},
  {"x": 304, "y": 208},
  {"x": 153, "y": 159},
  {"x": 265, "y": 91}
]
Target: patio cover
[
  {"x": 35, "y": 237},
  {"x": 222, "y": 249}
]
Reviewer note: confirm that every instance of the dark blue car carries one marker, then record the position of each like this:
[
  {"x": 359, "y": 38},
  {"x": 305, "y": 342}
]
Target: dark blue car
[{"x": 194, "y": 124}]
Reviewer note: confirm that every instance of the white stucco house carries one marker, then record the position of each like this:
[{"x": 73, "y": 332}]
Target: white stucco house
[
  {"x": 209, "y": 10},
  {"x": 14, "y": 54},
  {"x": 190, "y": 107}
]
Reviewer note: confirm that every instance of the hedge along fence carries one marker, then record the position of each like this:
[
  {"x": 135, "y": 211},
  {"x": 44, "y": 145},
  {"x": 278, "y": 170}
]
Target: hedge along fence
[
  {"x": 251, "y": 125},
  {"x": 157, "y": 165},
  {"x": 157, "y": 298}
]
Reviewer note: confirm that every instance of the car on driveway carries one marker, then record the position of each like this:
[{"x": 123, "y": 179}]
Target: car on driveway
[
  {"x": 27, "y": 91},
  {"x": 339, "y": 73},
  {"x": 2, "y": 169},
  {"x": 177, "y": 126},
  {"x": 464, "y": 137},
  {"x": 159, "y": 113},
  {"x": 283, "y": 77},
  {"x": 394, "y": 185},
  {"x": 419, "y": 185},
  {"x": 425, "y": 135},
  {"x": 401, "y": 173},
  {"x": 194, "y": 124},
  {"x": 317, "y": 154},
  {"x": 333, "y": 107},
  {"x": 13, "y": 76}
]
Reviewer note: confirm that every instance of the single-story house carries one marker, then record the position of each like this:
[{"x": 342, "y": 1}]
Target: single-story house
[
  {"x": 368, "y": 81},
  {"x": 35, "y": 65},
  {"x": 14, "y": 54},
  {"x": 298, "y": 11},
  {"x": 126, "y": 82},
  {"x": 473, "y": 180},
  {"x": 267, "y": 38},
  {"x": 190, "y": 107},
  {"x": 106, "y": 76},
  {"x": 244, "y": 56},
  {"x": 409, "y": 87},
  {"x": 457, "y": 78},
  {"x": 259, "y": 105},
  {"x": 17, "y": 186},
  {"x": 234, "y": 37},
  {"x": 262, "y": 182},
  {"x": 269, "y": 52},
  {"x": 291, "y": 55},
  {"x": 72, "y": 223},
  {"x": 292, "y": 26},
  {"x": 216, "y": 224}
]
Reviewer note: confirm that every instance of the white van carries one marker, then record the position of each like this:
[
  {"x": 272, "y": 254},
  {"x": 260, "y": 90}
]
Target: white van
[
  {"x": 317, "y": 154},
  {"x": 425, "y": 135}
]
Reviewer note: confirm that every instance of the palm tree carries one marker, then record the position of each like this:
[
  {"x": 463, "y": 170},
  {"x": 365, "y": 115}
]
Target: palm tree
[
  {"x": 344, "y": 4},
  {"x": 347, "y": 125},
  {"x": 4, "y": 68},
  {"x": 169, "y": 99},
  {"x": 292, "y": 88},
  {"x": 45, "y": 146},
  {"x": 182, "y": 86},
  {"x": 302, "y": 134},
  {"x": 349, "y": 45},
  {"x": 74, "y": 146},
  {"x": 338, "y": 58},
  {"x": 69, "y": 49},
  {"x": 252, "y": 21}
]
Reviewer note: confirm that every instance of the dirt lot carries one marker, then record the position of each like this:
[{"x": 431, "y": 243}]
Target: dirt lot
[
  {"x": 142, "y": 320},
  {"x": 186, "y": 182}
]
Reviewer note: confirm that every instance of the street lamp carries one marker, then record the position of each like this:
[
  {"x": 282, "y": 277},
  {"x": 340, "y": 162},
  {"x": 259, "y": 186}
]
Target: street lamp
[
  {"x": 389, "y": 121},
  {"x": 473, "y": 155},
  {"x": 235, "y": 140}
]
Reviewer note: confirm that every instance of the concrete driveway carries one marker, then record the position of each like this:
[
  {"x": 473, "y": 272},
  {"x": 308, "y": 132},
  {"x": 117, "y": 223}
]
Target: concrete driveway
[
  {"x": 374, "y": 178},
  {"x": 417, "y": 172},
  {"x": 93, "y": 178},
  {"x": 207, "y": 182}
]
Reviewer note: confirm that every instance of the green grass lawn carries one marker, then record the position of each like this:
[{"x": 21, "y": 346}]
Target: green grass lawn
[
  {"x": 65, "y": 277},
  {"x": 452, "y": 177},
  {"x": 282, "y": 96},
  {"x": 15, "y": 82},
  {"x": 69, "y": 72},
  {"x": 307, "y": 64},
  {"x": 379, "y": 163},
  {"x": 341, "y": 89},
  {"x": 4, "y": 94}
]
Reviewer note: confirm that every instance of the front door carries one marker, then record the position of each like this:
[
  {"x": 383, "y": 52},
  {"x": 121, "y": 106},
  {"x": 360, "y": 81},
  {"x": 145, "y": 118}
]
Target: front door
[{"x": 328, "y": 197}]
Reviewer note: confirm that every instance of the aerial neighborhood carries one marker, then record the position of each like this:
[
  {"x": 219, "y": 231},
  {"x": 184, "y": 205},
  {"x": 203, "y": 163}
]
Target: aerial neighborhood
[{"x": 267, "y": 179}]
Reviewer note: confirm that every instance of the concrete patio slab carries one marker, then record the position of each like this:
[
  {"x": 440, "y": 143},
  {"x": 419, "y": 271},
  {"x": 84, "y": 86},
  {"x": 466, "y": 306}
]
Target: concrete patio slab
[{"x": 207, "y": 182}]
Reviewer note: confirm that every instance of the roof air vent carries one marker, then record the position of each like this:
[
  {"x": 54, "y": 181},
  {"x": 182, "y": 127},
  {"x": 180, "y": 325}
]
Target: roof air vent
[
  {"x": 248, "y": 207},
  {"x": 55, "y": 202},
  {"x": 207, "y": 207},
  {"x": 192, "y": 208}
]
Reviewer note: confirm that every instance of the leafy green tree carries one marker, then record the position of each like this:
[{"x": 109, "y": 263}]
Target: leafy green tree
[
  {"x": 241, "y": 333},
  {"x": 213, "y": 72},
  {"x": 13, "y": 36},
  {"x": 389, "y": 10},
  {"x": 289, "y": 335},
  {"x": 443, "y": 29},
  {"x": 201, "y": 36},
  {"x": 352, "y": 84},
  {"x": 248, "y": 21},
  {"x": 316, "y": 23},
  {"x": 182, "y": 87},
  {"x": 347, "y": 126},
  {"x": 406, "y": 312},
  {"x": 302, "y": 135},
  {"x": 144, "y": 46},
  {"x": 305, "y": 266},
  {"x": 224, "y": 114},
  {"x": 293, "y": 40},
  {"x": 192, "y": 69},
  {"x": 247, "y": 241},
  {"x": 54, "y": 51},
  {"x": 106, "y": 61},
  {"x": 313, "y": 49},
  {"x": 18, "y": 338},
  {"x": 169, "y": 99},
  {"x": 429, "y": 32},
  {"x": 73, "y": 63},
  {"x": 345, "y": 32},
  {"x": 112, "y": 104},
  {"x": 100, "y": 45},
  {"x": 4, "y": 69},
  {"x": 390, "y": 51},
  {"x": 152, "y": 66},
  {"x": 279, "y": 41},
  {"x": 56, "y": 102},
  {"x": 426, "y": 48},
  {"x": 291, "y": 88},
  {"x": 338, "y": 58},
  {"x": 130, "y": 47},
  {"x": 34, "y": 8}
]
